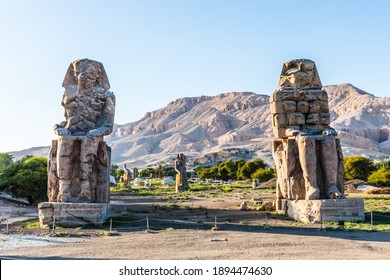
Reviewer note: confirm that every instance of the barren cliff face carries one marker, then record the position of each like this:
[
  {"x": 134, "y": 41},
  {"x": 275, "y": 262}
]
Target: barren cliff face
[
  {"x": 242, "y": 119},
  {"x": 198, "y": 125}
]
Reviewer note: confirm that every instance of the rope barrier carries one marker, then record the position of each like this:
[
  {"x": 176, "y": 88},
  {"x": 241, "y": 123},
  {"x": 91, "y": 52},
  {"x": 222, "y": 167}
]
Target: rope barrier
[{"x": 128, "y": 222}]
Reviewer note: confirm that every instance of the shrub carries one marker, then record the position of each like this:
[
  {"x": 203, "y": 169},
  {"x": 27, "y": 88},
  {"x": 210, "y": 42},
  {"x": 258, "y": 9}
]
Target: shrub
[
  {"x": 263, "y": 174},
  {"x": 357, "y": 167},
  {"x": 250, "y": 167},
  {"x": 26, "y": 178},
  {"x": 381, "y": 177}
]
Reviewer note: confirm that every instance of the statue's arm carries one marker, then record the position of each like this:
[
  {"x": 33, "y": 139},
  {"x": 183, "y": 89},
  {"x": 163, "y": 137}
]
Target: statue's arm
[
  {"x": 59, "y": 129},
  {"x": 107, "y": 117}
]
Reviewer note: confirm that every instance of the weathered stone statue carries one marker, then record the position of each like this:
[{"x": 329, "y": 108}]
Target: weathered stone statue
[
  {"x": 181, "y": 176},
  {"x": 307, "y": 153},
  {"x": 82, "y": 158},
  {"x": 126, "y": 176},
  {"x": 135, "y": 173},
  {"x": 79, "y": 160}
]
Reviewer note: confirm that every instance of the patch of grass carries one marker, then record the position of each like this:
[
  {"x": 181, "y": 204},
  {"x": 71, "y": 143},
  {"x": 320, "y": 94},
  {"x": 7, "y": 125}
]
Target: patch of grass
[
  {"x": 117, "y": 189},
  {"x": 156, "y": 192},
  {"x": 32, "y": 223},
  {"x": 173, "y": 206},
  {"x": 107, "y": 232},
  {"x": 3, "y": 239},
  {"x": 201, "y": 188},
  {"x": 62, "y": 234},
  {"x": 226, "y": 188}
]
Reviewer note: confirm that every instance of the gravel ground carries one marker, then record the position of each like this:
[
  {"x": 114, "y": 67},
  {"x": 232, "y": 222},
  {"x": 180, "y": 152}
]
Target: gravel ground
[
  {"x": 284, "y": 244},
  {"x": 13, "y": 241}
]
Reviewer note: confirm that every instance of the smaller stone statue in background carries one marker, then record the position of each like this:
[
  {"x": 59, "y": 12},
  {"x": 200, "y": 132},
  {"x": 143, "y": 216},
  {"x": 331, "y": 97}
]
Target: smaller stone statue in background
[
  {"x": 181, "y": 176},
  {"x": 126, "y": 176}
]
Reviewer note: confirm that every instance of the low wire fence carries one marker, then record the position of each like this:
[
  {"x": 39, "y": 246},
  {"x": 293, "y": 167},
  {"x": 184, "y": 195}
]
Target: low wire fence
[{"x": 373, "y": 221}]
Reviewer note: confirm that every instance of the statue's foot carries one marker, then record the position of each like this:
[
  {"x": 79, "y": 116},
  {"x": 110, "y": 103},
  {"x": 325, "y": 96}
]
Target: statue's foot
[
  {"x": 64, "y": 198},
  {"x": 334, "y": 193},
  {"x": 312, "y": 193}
]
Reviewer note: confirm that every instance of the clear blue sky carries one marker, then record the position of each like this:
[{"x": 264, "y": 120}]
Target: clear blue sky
[{"x": 157, "y": 51}]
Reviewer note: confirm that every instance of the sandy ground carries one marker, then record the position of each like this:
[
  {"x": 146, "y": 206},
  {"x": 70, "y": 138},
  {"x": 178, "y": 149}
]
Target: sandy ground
[
  {"x": 186, "y": 233},
  {"x": 269, "y": 244}
]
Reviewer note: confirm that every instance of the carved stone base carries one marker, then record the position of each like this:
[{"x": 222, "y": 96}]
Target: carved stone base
[
  {"x": 73, "y": 214},
  {"x": 326, "y": 210}
]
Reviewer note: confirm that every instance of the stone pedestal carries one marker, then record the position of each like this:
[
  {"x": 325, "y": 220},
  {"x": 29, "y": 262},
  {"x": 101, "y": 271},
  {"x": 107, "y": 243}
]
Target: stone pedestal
[
  {"x": 73, "y": 214},
  {"x": 326, "y": 210}
]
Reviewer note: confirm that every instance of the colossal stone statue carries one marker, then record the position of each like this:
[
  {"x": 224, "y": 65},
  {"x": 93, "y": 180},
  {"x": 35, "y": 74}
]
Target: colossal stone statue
[
  {"x": 181, "y": 176},
  {"x": 306, "y": 151},
  {"x": 80, "y": 159}
]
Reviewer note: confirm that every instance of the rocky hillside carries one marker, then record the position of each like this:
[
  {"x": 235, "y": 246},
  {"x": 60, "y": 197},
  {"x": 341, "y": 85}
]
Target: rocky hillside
[
  {"x": 195, "y": 126},
  {"x": 206, "y": 124}
]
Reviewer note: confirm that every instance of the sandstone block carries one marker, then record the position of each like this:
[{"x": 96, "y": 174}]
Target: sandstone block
[
  {"x": 280, "y": 120},
  {"x": 325, "y": 118},
  {"x": 327, "y": 210},
  {"x": 279, "y": 132},
  {"x": 289, "y": 106},
  {"x": 313, "y": 119},
  {"x": 303, "y": 107},
  {"x": 290, "y": 95},
  {"x": 296, "y": 119},
  {"x": 309, "y": 95},
  {"x": 73, "y": 214},
  {"x": 315, "y": 107},
  {"x": 324, "y": 107},
  {"x": 276, "y": 107}
]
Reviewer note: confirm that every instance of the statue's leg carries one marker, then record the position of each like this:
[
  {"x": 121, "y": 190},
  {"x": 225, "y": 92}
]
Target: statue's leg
[
  {"x": 308, "y": 160},
  {"x": 64, "y": 169},
  {"x": 330, "y": 165},
  {"x": 88, "y": 154}
]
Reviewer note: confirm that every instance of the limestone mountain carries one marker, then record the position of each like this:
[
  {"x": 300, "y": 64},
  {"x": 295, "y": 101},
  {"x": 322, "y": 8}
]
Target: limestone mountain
[
  {"x": 195, "y": 126},
  {"x": 201, "y": 125}
]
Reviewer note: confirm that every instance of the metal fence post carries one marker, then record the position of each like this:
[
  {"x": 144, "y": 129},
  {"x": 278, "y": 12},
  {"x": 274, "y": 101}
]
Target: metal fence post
[
  {"x": 54, "y": 225},
  {"x": 372, "y": 221}
]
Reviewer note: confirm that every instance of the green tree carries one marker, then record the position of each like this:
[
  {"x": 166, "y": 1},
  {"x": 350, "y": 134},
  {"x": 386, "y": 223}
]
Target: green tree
[
  {"x": 223, "y": 173},
  {"x": 207, "y": 173},
  {"x": 250, "y": 167},
  {"x": 358, "y": 167},
  {"x": 5, "y": 160},
  {"x": 26, "y": 178},
  {"x": 167, "y": 171},
  {"x": 228, "y": 169},
  {"x": 119, "y": 173},
  {"x": 380, "y": 177},
  {"x": 147, "y": 172},
  {"x": 263, "y": 174},
  {"x": 113, "y": 169}
]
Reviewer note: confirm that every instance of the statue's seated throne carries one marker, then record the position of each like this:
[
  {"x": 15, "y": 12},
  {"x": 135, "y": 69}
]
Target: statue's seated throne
[
  {"x": 97, "y": 181},
  {"x": 306, "y": 151}
]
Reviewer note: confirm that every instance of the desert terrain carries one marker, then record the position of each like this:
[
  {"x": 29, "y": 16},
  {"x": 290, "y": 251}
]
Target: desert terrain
[{"x": 202, "y": 225}]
